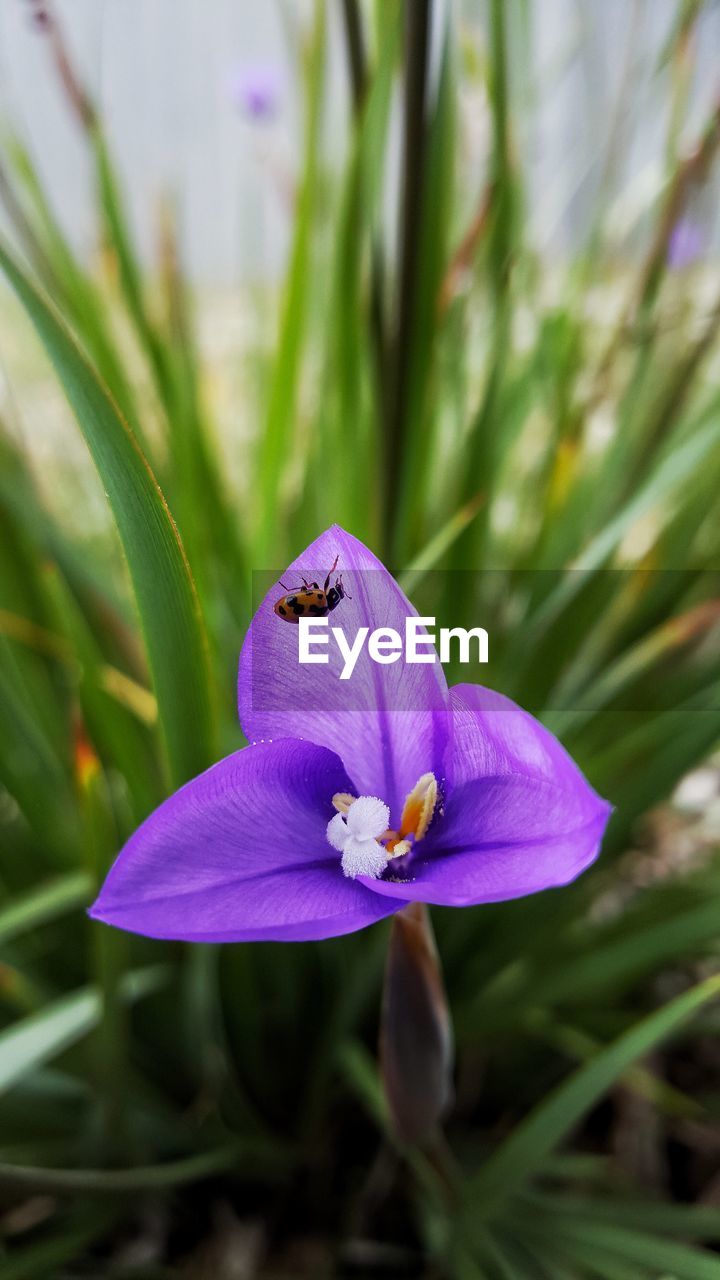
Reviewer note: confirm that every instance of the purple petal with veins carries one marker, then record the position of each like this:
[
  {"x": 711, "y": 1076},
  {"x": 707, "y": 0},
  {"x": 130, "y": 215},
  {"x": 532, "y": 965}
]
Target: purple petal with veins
[
  {"x": 521, "y": 816},
  {"x": 388, "y": 723},
  {"x": 240, "y": 854}
]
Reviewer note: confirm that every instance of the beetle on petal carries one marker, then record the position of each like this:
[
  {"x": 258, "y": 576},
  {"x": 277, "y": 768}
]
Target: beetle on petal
[
  {"x": 311, "y": 600},
  {"x": 345, "y": 808}
]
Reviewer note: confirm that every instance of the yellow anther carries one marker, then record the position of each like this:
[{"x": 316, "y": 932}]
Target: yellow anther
[
  {"x": 419, "y": 807},
  {"x": 398, "y": 848},
  {"x": 342, "y": 801},
  {"x": 416, "y": 817}
]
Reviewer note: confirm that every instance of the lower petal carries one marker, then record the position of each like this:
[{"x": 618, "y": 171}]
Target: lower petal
[
  {"x": 458, "y": 870},
  {"x": 520, "y": 818},
  {"x": 241, "y": 854}
]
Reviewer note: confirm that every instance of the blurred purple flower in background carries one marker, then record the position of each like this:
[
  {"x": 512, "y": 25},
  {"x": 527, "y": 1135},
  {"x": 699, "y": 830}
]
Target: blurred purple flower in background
[
  {"x": 686, "y": 244},
  {"x": 257, "y": 89},
  {"x": 356, "y": 797}
]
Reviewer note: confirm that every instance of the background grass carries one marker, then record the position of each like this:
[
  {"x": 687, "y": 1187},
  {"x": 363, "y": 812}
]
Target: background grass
[{"x": 530, "y": 442}]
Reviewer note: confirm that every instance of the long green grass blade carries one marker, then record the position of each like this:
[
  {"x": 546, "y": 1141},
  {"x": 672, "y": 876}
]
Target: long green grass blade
[
  {"x": 278, "y": 432},
  {"x": 108, "y": 1182},
  {"x": 166, "y": 596},
  {"x": 45, "y": 903},
  {"x": 664, "y": 1257},
  {"x": 35, "y": 1040},
  {"x": 533, "y": 1140},
  {"x": 637, "y": 951}
]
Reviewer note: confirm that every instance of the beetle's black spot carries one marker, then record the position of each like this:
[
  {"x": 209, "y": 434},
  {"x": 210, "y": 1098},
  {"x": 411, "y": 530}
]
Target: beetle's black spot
[
  {"x": 283, "y": 610},
  {"x": 291, "y": 600},
  {"x": 297, "y": 609}
]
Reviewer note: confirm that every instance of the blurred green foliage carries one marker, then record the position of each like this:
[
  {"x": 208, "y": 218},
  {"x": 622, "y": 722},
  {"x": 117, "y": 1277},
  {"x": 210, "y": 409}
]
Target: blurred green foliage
[{"x": 440, "y": 391}]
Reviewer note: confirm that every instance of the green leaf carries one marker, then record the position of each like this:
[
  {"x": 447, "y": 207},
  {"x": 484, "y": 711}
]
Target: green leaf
[
  {"x": 356, "y": 357},
  {"x": 173, "y": 1173},
  {"x": 678, "y": 466},
  {"x": 34, "y": 1040},
  {"x": 623, "y": 960},
  {"x": 130, "y": 277},
  {"x": 418, "y": 411},
  {"x": 436, "y": 548},
  {"x": 74, "y": 290},
  {"x": 67, "y": 1242},
  {"x": 533, "y": 1140},
  {"x": 44, "y": 904},
  {"x": 663, "y": 1257},
  {"x": 277, "y": 436},
  {"x": 694, "y": 1221},
  {"x": 164, "y": 588},
  {"x": 361, "y": 1073}
]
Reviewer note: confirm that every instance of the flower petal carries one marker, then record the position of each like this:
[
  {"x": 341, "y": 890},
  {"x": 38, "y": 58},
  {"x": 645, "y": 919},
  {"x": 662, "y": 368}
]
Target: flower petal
[
  {"x": 520, "y": 818},
  {"x": 389, "y": 723},
  {"x": 241, "y": 854},
  {"x": 494, "y": 736}
]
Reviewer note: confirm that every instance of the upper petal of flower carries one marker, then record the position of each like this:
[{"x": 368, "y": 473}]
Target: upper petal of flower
[
  {"x": 494, "y": 736},
  {"x": 241, "y": 854},
  {"x": 389, "y": 723},
  {"x": 521, "y": 817}
]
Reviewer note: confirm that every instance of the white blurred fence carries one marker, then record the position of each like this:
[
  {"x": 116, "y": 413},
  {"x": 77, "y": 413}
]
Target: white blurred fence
[{"x": 161, "y": 69}]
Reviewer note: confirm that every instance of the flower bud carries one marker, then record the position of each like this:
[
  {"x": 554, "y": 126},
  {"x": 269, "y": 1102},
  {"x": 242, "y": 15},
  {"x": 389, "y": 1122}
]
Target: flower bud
[{"x": 416, "y": 1050}]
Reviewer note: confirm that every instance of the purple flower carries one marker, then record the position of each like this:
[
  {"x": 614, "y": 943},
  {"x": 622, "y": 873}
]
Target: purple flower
[
  {"x": 356, "y": 796},
  {"x": 686, "y": 244},
  {"x": 256, "y": 89}
]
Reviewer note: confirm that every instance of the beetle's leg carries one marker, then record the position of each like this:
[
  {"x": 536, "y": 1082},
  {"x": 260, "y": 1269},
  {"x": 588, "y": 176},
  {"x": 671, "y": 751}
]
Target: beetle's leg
[{"x": 330, "y": 573}]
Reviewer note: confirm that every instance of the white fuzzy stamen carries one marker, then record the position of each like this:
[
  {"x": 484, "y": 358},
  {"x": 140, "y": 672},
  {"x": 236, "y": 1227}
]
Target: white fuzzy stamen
[{"x": 356, "y": 834}]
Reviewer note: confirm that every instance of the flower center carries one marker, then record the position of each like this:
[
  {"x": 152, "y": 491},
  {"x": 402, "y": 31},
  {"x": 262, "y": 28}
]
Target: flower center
[{"x": 360, "y": 830}]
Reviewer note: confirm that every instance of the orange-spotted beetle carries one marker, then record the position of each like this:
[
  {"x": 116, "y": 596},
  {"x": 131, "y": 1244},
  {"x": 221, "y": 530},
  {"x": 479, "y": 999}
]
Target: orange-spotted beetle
[{"x": 310, "y": 600}]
